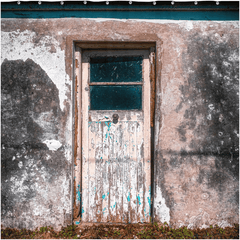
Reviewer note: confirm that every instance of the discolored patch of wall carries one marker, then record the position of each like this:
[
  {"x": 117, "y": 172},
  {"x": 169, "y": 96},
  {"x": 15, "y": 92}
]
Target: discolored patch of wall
[
  {"x": 198, "y": 162},
  {"x": 36, "y": 173},
  {"x": 195, "y": 161}
]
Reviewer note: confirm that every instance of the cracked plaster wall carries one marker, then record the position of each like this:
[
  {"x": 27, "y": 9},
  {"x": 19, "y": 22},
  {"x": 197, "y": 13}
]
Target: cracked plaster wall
[{"x": 196, "y": 143}]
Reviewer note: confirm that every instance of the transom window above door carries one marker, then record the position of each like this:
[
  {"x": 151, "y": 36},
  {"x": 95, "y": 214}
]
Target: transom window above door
[{"x": 116, "y": 82}]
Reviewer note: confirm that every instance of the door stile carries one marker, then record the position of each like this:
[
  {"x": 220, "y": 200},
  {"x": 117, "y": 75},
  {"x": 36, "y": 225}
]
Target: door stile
[
  {"x": 85, "y": 157},
  {"x": 147, "y": 138},
  {"x": 78, "y": 133}
]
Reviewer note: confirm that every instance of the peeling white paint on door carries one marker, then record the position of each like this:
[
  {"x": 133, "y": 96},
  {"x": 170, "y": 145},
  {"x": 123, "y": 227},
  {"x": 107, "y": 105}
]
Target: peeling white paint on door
[{"x": 116, "y": 156}]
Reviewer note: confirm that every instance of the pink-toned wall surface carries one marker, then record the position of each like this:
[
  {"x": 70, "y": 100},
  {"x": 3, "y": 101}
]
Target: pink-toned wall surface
[{"x": 196, "y": 171}]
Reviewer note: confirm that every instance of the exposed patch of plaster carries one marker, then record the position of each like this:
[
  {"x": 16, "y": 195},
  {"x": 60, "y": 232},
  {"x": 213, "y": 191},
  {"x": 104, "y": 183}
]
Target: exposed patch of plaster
[
  {"x": 188, "y": 24},
  {"x": 203, "y": 220},
  {"x": 153, "y": 20},
  {"x": 53, "y": 145},
  {"x": 162, "y": 211},
  {"x": 20, "y": 164},
  {"x": 20, "y": 45},
  {"x": 18, "y": 186}
]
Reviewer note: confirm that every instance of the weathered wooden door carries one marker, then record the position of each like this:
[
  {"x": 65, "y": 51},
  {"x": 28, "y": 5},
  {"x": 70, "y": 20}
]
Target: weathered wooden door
[{"x": 116, "y": 136}]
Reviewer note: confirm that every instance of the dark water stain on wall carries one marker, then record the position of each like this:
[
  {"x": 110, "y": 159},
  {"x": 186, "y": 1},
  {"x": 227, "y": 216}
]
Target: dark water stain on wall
[
  {"x": 212, "y": 89},
  {"x": 200, "y": 181},
  {"x": 30, "y": 114}
]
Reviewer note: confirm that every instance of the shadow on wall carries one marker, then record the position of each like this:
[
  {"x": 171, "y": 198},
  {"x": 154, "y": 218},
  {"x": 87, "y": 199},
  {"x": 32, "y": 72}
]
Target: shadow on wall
[
  {"x": 212, "y": 89},
  {"x": 30, "y": 114}
]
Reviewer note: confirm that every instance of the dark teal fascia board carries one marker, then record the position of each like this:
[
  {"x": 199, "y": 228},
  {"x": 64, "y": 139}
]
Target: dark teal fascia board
[
  {"x": 208, "y": 11},
  {"x": 170, "y": 15}
]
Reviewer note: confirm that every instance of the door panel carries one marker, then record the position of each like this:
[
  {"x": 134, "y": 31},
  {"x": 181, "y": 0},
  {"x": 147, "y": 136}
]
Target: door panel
[{"x": 116, "y": 154}]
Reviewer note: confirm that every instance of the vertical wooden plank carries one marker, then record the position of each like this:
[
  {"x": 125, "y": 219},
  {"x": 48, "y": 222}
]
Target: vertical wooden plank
[
  {"x": 125, "y": 174},
  {"x": 111, "y": 158},
  {"x": 147, "y": 149},
  {"x": 140, "y": 191},
  {"x": 98, "y": 171},
  {"x": 85, "y": 163},
  {"x": 110, "y": 168},
  {"x": 92, "y": 131},
  {"x": 120, "y": 167},
  {"x": 133, "y": 172},
  {"x": 116, "y": 161},
  {"x": 105, "y": 173}
]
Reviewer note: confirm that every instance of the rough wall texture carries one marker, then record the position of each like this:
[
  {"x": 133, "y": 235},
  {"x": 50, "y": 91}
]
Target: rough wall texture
[
  {"x": 197, "y": 159},
  {"x": 36, "y": 133},
  {"x": 196, "y": 122}
]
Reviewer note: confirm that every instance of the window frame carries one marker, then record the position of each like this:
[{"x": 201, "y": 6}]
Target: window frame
[{"x": 144, "y": 53}]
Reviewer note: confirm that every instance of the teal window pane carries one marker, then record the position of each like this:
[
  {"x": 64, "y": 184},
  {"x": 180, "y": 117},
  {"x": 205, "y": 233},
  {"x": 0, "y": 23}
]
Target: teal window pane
[
  {"x": 116, "y": 69},
  {"x": 116, "y": 97}
]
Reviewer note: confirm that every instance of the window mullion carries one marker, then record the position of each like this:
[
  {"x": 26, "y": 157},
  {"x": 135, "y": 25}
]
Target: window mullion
[{"x": 115, "y": 83}]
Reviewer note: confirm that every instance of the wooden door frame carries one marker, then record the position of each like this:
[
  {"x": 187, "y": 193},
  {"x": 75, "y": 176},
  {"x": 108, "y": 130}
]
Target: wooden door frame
[{"x": 78, "y": 48}]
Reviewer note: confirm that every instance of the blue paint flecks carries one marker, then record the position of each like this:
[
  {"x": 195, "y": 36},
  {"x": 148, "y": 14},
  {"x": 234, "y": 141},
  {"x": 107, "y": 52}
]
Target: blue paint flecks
[
  {"x": 128, "y": 197},
  {"x": 114, "y": 205},
  {"x": 103, "y": 196},
  {"x": 139, "y": 199},
  {"x": 104, "y": 210},
  {"x": 108, "y": 124},
  {"x": 83, "y": 210},
  {"x": 77, "y": 222},
  {"x": 149, "y": 200},
  {"x": 145, "y": 212},
  {"x": 78, "y": 193}
]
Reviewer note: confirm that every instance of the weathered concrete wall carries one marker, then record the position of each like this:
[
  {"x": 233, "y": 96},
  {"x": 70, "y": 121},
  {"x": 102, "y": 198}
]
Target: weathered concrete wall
[
  {"x": 197, "y": 150},
  {"x": 36, "y": 131},
  {"x": 196, "y": 122}
]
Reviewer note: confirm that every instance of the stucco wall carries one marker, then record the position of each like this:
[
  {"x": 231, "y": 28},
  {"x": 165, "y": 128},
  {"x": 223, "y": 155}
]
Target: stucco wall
[{"x": 196, "y": 123}]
